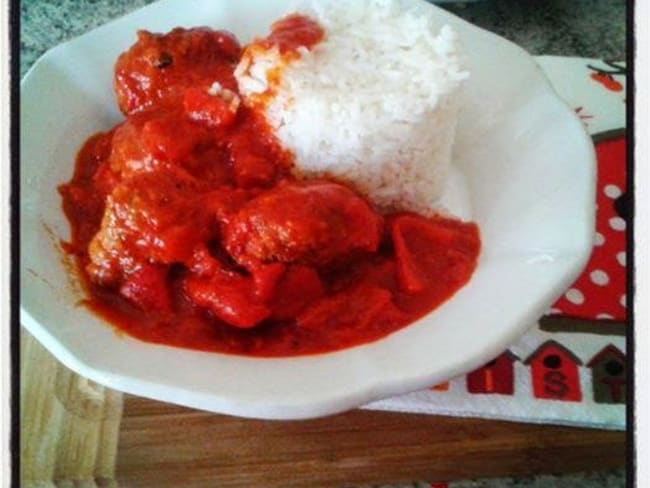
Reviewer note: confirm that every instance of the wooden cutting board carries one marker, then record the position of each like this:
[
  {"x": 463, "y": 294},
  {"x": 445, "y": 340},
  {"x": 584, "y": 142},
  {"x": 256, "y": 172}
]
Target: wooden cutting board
[{"x": 77, "y": 434}]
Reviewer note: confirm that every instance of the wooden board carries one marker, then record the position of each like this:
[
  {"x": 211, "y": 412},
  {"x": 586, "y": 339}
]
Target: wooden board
[
  {"x": 76, "y": 433},
  {"x": 69, "y": 425}
]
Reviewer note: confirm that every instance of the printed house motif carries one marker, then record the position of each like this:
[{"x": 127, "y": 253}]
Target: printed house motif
[
  {"x": 554, "y": 371},
  {"x": 497, "y": 376},
  {"x": 608, "y": 375}
]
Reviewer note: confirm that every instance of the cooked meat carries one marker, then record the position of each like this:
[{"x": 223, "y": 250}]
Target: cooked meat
[
  {"x": 158, "y": 68},
  {"x": 315, "y": 223}
]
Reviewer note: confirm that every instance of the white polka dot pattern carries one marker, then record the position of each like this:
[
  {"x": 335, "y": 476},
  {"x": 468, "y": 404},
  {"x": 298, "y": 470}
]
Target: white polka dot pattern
[
  {"x": 599, "y": 277},
  {"x": 612, "y": 191},
  {"x": 597, "y": 293},
  {"x": 575, "y": 296},
  {"x": 617, "y": 223}
]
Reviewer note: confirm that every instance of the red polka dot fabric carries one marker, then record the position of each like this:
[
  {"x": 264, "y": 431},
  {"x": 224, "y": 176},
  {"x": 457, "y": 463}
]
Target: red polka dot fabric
[{"x": 599, "y": 292}]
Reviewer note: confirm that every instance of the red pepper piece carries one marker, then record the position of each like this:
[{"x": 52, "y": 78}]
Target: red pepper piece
[
  {"x": 231, "y": 298},
  {"x": 428, "y": 249},
  {"x": 354, "y": 308},
  {"x": 408, "y": 275}
]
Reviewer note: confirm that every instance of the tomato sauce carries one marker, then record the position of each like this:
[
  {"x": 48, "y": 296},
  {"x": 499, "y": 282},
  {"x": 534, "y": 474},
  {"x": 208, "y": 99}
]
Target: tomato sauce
[
  {"x": 294, "y": 31},
  {"x": 189, "y": 228}
]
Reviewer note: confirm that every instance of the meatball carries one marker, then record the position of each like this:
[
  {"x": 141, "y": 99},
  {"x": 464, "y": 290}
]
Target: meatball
[
  {"x": 149, "y": 141},
  {"x": 159, "y": 67},
  {"x": 151, "y": 218},
  {"x": 160, "y": 217},
  {"x": 314, "y": 223}
]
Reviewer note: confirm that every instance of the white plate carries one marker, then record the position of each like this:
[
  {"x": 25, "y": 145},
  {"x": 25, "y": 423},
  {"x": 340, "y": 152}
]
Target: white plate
[{"x": 527, "y": 162}]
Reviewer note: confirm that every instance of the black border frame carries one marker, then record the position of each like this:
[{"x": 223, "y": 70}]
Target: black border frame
[
  {"x": 630, "y": 352},
  {"x": 14, "y": 250}
]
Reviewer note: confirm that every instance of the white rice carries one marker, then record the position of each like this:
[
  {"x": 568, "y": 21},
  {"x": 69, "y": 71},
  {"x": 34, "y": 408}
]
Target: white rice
[{"x": 373, "y": 104}]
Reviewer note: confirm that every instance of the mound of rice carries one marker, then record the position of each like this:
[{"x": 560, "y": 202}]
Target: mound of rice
[{"x": 372, "y": 104}]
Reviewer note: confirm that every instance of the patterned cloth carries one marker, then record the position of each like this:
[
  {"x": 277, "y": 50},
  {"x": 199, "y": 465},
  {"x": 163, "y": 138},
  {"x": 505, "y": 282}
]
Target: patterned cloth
[{"x": 569, "y": 368}]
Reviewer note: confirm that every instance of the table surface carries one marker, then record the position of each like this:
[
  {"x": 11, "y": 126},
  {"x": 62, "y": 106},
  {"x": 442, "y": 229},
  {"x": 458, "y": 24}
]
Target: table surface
[{"x": 71, "y": 428}]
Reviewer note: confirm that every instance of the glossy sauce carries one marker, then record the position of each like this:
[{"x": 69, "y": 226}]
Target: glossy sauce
[
  {"x": 189, "y": 230},
  {"x": 292, "y": 32},
  {"x": 288, "y": 35}
]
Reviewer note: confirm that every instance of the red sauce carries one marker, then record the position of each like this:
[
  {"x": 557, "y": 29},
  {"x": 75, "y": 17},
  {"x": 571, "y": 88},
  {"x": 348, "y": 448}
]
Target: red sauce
[
  {"x": 294, "y": 31},
  {"x": 287, "y": 35},
  {"x": 189, "y": 230}
]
